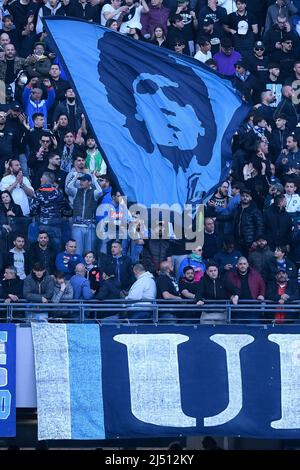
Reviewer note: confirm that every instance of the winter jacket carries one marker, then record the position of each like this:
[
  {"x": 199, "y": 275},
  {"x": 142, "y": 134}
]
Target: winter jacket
[
  {"x": 34, "y": 289},
  {"x": 123, "y": 269},
  {"x": 19, "y": 64},
  {"x": 12, "y": 286},
  {"x": 258, "y": 258},
  {"x": 47, "y": 203},
  {"x": 143, "y": 288},
  {"x": 277, "y": 227},
  {"x": 59, "y": 295},
  {"x": 248, "y": 224},
  {"x": 81, "y": 287},
  {"x": 271, "y": 268},
  {"x": 255, "y": 281},
  {"x": 215, "y": 289},
  {"x": 291, "y": 291},
  {"x": 110, "y": 289},
  {"x": 9, "y": 260},
  {"x": 45, "y": 257}
]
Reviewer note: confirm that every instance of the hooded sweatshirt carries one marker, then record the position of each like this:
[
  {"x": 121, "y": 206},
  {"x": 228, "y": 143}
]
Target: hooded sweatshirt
[{"x": 144, "y": 288}]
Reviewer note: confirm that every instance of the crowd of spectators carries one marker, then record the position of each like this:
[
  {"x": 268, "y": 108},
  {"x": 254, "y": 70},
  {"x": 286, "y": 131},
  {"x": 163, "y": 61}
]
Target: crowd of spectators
[{"x": 54, "y": 181}]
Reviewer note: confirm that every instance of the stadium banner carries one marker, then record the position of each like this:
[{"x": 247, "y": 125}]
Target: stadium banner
[
  {"x": 160, "y": 118},
  {"x": 167, "y": 380},
  {"x": 7, "y": 380}
]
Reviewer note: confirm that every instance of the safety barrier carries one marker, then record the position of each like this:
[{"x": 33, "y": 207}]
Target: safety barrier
[{"x": 159, "y": 311}]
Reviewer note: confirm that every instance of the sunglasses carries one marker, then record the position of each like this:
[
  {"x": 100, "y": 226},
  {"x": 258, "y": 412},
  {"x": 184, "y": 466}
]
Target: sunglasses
[
  {"x": 178, "y": 44},
  {"x": 259, "y": 49}
]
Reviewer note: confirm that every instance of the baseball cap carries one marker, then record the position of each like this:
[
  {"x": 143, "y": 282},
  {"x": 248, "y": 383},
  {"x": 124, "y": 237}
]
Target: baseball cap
[
  {"x": 85, "y": 177},
  {"x": 281, "y": 270},
  {"x": 15, "y": 107},
  {"x": 241, "y": 63},
  {"x": 207, "y": 21},
  {"x": 259, "y": 44},
  {"x": 279, "y": 187}
]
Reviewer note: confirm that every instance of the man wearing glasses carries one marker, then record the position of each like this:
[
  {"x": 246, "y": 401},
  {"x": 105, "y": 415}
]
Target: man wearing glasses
[{"x": 286, "y": 56}]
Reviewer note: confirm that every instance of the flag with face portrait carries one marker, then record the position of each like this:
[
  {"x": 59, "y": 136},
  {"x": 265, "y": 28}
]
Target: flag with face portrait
[{"x": 163, "y": 121}]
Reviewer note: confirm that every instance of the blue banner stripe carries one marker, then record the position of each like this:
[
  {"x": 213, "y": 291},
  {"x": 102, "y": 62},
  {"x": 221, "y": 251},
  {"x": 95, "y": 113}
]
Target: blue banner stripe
[{"x": 87, "y": 415}]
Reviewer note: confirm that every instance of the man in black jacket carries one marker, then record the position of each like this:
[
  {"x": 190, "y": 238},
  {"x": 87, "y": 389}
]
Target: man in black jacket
[
  {"x": 110, "y": 287},
  {"x": 40, "y": 252},
  {"x": 12, "y": 286},
  {"x": 122, "y": 265},
  {"x": 212, "y": 287},
  {"x": 248, "y": 222},
  {"x": 277, "y": 223}
]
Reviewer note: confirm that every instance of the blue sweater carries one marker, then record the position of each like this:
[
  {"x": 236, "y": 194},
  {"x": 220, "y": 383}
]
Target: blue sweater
[{"x": 81, "y": 287}]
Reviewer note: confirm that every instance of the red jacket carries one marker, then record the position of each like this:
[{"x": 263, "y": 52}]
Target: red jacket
[{"x": 256, "y": 283}]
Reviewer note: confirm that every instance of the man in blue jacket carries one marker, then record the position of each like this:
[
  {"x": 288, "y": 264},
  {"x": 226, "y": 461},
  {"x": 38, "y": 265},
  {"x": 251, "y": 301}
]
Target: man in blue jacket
[
  {"x": 67, "y": 260},
  {"x": 33, "y": 102},
  {"x": 81, "y": 285}
]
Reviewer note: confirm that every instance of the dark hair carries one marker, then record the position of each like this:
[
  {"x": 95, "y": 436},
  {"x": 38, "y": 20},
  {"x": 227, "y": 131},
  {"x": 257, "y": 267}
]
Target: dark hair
[
  {"x": 59, "y": 275},
  {"x": 203, "y": 41},
  {"x": 109, "y": 270},
  {"x": 41, "y": 232},
  {"x": 110, "y": 22},
  {"x": 19, "y": 235},
  {"x": 278, "y": 198},
  {"x": 88, "y": 252},
  {"x": 35, "y": 115},
  {"x": 187, "y": 268},
  {"x": 282, "y": 248},
  {"x": 211, "y": 263},
  {"x": 7, "y": 192},
  {"x": 118, "y": 242},
  {"x": 38, "y": 267}
]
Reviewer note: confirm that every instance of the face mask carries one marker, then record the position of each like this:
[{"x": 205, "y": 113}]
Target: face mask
[{"x": 23, "y": 80}]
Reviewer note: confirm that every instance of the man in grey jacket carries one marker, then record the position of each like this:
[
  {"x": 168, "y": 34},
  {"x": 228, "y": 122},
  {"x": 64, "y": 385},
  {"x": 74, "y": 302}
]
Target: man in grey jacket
[
  {"x": 62, "y": 288},
  {"x": 144, "y": 288}
]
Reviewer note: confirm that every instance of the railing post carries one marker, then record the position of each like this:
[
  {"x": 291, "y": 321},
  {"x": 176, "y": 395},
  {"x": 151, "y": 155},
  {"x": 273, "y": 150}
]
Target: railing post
[
  {"x": 155, "y": 312},
  {"x": 229, "y": 312}
]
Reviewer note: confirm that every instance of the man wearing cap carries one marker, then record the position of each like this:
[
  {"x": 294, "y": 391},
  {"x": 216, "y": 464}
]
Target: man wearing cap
[
  {"x": 248, "y": 222},
  {"x": 216, "y": 13},
  {"x": 243, "y": 26},
  {"x": 207, "y": 31},
  {"x": 273, "y": 82},
  {"x": 84, "y": 211},
  {"x": 244, "y": 81},
  {"x": 282, "y": 290},
  {"x": 227, "y": 57},
  {"x": 258, "y": 62},
  {"x": 40, "y": 63}
]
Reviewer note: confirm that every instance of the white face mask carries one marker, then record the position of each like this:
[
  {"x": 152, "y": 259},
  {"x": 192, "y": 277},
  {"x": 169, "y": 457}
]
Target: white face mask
[{"x": 23, "y": 80}]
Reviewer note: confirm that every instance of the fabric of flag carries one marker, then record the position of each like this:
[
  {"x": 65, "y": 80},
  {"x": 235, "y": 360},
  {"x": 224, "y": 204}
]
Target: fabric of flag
[
  {"x": 164, "y": 121},
  {"x": 69, "y": 381}
]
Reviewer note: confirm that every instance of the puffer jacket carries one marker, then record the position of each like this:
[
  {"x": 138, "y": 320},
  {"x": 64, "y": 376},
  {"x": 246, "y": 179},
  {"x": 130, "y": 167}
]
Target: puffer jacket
[{"x": 248, "y": 224}]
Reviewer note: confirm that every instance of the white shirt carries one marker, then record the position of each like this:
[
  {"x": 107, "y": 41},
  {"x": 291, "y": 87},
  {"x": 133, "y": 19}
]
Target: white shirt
[
  {"x": 18, "y": 194},
  {"x": 108, "y": 9},
  {"x": 134, "y": 22},
  {"x": 202, "y": 57}
]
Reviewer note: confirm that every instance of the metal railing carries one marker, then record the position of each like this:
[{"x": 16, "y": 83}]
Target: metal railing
[{"x": 151, "y": 312}]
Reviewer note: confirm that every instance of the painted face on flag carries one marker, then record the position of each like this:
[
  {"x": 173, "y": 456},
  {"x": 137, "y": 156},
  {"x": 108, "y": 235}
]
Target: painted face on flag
[
  {"x": 174, "y": 125},
  {"x": 167, "y": 108}
]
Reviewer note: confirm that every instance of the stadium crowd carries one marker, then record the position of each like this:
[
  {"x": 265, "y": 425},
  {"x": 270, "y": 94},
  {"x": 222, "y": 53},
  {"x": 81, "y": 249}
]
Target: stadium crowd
[{"x": 55, "y": 183}]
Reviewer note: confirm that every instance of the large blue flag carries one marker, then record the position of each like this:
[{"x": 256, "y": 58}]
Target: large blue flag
[{"x": 164, "y": 121}]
